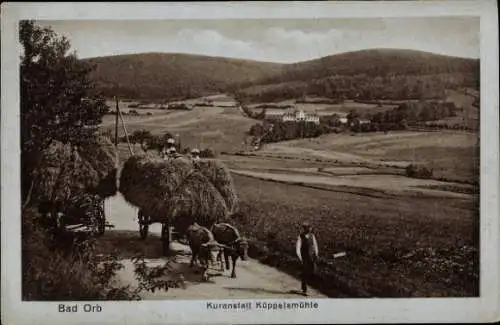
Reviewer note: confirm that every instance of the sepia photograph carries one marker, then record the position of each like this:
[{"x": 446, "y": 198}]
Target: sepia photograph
[{"x": 248, "y": 163}]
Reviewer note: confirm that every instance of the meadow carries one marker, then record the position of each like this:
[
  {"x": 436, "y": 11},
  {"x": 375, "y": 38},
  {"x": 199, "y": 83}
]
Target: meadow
[
  {"x": 221, "y": 127},
  {"x": 396, "y": 247},
  {"x": 453, "y": 156}
]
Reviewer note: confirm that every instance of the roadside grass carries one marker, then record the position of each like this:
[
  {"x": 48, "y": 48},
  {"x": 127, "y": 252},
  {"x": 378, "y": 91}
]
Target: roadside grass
[
  {"x": 396, "y": 247},
  {"x": 127, "y": 244}
]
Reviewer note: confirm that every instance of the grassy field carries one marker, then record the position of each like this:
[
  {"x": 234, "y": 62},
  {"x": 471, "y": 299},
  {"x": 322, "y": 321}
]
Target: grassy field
[
  {"x": 396, "y": 247},
  {"x": 452, "y": 155},
  {"x": 219, "y": 128}
]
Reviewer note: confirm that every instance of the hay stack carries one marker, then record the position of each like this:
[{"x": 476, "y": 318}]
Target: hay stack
[
  {"x": 65, "y": 172},
  {"x": 221, "y": 178},
  {"x": 146, "y": 182},
  {"x": 102, "y": 156},
  {"x": 48, "y": 177},
  {"x": 196, "y": 200},
  {"x": 178, "y": 191}
]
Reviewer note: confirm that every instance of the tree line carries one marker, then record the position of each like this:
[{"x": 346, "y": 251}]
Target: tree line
[
  {"x": 148, "y": 141},
  {"x": 362, "y": 87},
  {"x": 399, "y": 118}
]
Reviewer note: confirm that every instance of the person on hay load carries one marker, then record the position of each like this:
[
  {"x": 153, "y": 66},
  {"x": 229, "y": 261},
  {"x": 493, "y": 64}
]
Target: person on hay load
[
  {"x": 195, "y": 154},
  {"x": 174, "y": 154},
  {"x": 307, "y": 252},
  {"x": 170, "y": 148}
]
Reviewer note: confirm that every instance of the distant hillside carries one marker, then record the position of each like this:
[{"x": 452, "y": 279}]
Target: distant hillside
[
  {"x": 365, "y": 75},
  {"x": 173, "y": 76},
  {"x": 368, "y": 74},
  {"x": 379, "y": 62}
]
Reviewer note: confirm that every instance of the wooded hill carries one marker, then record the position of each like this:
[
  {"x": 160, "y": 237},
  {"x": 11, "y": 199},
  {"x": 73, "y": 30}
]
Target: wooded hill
[
  {"x": 366, "y": 74},
  {"x": 170, "y": 76}
]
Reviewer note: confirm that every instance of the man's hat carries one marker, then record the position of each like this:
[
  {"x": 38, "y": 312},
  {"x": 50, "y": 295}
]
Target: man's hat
[
  {"x": 306, "y": 224},
  {"x": 170, "y": 141},
  {"x": 173, "y": 150},
  {"x": 195, "y": 151}
]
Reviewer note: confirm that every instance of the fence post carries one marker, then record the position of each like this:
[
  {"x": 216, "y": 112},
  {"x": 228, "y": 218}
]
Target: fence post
[{"x": 116, "y": 122}]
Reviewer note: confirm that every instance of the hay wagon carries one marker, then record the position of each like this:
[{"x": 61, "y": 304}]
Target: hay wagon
[
  {"x": 177, "y": 193},
  {"x": 84, "y": 214},
  {"x": 91, "y": 218},
  {"x": 168, "y": 232}
]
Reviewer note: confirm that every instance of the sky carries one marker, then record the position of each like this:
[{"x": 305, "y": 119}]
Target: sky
[{"x": 283, "y": 41}]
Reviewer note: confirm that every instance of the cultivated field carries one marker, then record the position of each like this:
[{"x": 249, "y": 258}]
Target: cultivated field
[{"x": 396, "y": 247}]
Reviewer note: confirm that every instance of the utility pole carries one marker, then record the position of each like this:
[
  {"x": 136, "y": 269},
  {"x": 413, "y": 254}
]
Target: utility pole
[{"x": 116, "y": 121}]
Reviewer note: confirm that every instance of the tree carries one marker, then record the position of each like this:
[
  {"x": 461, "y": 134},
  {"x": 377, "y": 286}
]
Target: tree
[
  {"x": 57, "y": 98},
  {"x": 352, "y": 117}
]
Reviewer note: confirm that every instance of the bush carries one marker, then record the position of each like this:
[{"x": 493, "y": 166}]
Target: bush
[
  {"x": 418, "y": 172},
  {"x": 65, "y": 268},
  {"x": 207, "y": 153}
]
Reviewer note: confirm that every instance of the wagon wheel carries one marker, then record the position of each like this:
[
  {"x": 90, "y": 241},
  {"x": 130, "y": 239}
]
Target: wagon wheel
[
  {"x": 143, "y": 230},
  {"x": 166, "y": 235},
  {"x": 143, "y": 225},
  {"x": 101, "y": 220},
  {"x": 163, "y": 230},
  {"x": 57, "y": 221}
]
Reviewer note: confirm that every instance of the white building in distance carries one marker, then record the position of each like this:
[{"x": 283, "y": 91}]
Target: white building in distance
[{"x": 300, "y": 116}]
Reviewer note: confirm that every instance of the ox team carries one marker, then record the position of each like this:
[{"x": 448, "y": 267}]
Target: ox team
[{"x": 225, "y": 240}]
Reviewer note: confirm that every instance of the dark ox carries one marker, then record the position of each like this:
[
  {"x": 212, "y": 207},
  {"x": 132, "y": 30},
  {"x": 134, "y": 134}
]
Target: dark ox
[
  {"x": 234, "y": 245},
  {"x": 202, "y": 244}
]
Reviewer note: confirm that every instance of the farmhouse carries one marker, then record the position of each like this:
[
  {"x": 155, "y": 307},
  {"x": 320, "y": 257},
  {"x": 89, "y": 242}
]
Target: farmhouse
[{"x": 274, "y": 116}]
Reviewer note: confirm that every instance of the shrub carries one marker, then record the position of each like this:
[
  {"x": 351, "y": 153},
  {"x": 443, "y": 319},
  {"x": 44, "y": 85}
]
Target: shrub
[
  {"x": 66, "y": 267},
  {"x": 207, "y": 153},
  {"x": 418, "y": 172}
]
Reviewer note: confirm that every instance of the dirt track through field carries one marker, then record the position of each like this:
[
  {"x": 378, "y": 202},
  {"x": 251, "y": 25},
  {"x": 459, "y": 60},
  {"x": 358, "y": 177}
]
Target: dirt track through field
[{"x": 254, "y": 280}]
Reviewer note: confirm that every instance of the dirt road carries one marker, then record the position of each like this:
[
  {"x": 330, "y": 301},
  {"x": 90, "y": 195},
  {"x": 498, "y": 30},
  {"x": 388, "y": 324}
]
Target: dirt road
[{"x": 254, "y": 280}]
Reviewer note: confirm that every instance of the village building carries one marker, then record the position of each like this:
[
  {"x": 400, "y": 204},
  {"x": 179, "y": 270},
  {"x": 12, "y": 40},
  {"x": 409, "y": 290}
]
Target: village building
[{"x": 294, "y": 116}]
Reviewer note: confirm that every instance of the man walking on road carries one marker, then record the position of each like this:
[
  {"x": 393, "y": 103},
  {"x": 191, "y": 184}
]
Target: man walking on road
[{"x": 307, "y": 252}]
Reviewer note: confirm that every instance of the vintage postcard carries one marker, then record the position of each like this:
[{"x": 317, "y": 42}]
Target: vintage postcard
[{"x": 250, "y": 162}]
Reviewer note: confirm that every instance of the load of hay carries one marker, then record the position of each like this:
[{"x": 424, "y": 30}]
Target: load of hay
[
  {"x": 221, "y": 178},
  {"x": 65, "y": 171},
  {"x": 196, "y": 200},
  {"x": 101, "y": 154},
  {"x": 178, "y": 190},
  {"x": 145, "y": 182}
]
